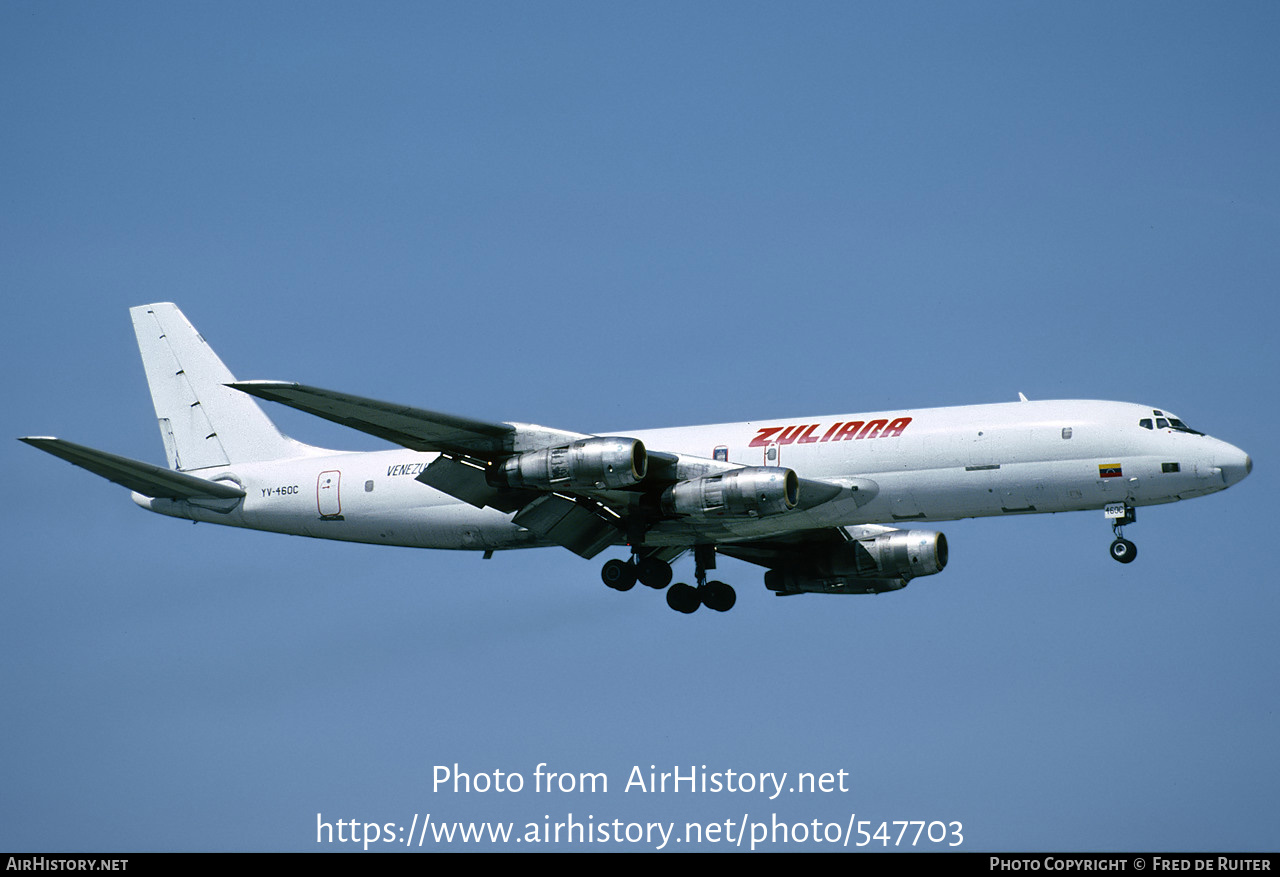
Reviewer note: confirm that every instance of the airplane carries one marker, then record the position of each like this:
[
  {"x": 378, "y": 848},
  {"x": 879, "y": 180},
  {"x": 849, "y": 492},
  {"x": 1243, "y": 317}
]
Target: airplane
[{"x": 827, "y": 505}]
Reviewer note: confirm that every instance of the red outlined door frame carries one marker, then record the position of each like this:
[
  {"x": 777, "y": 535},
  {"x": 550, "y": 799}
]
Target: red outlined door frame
[{"x": 329, "y": 493}]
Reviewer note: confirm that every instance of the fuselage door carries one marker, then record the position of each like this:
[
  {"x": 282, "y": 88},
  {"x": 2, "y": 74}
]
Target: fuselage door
[
  {"x": 328, "y": 498},
  {"x": 773, "y": 454}
]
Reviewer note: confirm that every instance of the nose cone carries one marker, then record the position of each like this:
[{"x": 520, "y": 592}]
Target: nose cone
[{"x": 1234, "y": 463}]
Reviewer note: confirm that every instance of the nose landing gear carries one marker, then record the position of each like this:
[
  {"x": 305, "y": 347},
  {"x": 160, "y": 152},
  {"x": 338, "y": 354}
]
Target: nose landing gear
[{"x": 1122, "y": 550}]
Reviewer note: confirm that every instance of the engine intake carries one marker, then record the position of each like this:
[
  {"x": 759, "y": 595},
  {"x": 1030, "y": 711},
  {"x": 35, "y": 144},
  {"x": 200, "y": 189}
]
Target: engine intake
[
  {"x": 755, "y": 491},
  {"x": 587, "y": 464}
]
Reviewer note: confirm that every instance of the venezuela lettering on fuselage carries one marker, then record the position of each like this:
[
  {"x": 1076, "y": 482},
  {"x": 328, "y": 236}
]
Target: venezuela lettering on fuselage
[
  {"x": 807, "y": 433},
  {"x": 405, "y": 469}
]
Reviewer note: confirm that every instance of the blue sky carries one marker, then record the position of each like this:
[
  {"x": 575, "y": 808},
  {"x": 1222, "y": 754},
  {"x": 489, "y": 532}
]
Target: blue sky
[{"x": 602, "y": 217}]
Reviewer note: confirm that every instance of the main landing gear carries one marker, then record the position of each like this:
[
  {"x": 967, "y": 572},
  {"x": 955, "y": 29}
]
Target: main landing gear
[
  {"x": 1122, "y": 549},
  {"x": 653, "y": 572},
  {"x": 622, "y": 575}
]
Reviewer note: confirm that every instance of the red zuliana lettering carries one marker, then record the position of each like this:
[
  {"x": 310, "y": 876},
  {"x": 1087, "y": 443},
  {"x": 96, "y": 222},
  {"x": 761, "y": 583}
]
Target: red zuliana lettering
[
  {"x": 850, "y": 430},
  {"x": 839, "y": 431},
  {"x": 762, "y": 437},
  {"x": 789, "y": 435},
  {"x": 896, "y": 427}
]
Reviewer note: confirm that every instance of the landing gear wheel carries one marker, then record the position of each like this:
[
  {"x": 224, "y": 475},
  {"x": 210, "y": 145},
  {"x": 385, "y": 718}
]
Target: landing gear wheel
[
  {"x": 1124, "y": 551},
  {"x": 718, "y": 596},
  {"x": 619, "y": 575},
  {"x": 654, "y": 573},
  {"x": 683, "y": 598}
]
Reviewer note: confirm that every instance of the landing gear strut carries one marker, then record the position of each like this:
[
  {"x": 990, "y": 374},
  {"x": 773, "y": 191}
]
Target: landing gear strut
[{"x": 1122, "y": 549}]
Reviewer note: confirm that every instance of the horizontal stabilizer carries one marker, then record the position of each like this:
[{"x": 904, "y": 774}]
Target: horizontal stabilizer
[{"x": 154, "y": 481}]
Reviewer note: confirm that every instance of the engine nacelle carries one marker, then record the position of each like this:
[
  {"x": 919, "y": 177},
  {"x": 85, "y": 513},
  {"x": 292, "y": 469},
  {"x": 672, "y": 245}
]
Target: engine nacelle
[
  {"x": 788, "y": 581},
  {"x": 900, "y": 553},
  {"x": 885, "y": 562},
  {"x": 587, "y": 464},
  {"x": 756, "y": 491}
]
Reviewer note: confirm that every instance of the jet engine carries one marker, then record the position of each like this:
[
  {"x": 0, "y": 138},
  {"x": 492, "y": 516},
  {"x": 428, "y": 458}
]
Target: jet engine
[
  {"x": 754, "y": 491},
  {"x": 898, "y": 553},
  {"x": 588, "y": 464},
  {"x": 884, "y": 562}
]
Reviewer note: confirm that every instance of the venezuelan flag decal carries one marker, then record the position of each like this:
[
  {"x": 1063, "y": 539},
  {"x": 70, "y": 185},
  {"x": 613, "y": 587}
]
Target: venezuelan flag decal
[{"x": 1109, "y": 470}]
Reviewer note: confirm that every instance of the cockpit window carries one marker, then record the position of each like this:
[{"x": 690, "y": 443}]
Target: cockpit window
[{"x": 1163, "y": 421}]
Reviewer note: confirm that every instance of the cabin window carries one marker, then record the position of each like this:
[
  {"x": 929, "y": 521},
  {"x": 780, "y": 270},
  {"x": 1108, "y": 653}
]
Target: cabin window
[
  {"x": 368, "y": 487},
  {"x": 721, "y": 453},
  {"x": 1170, "y": 467},
  {"x": 1066, "y": 432}
]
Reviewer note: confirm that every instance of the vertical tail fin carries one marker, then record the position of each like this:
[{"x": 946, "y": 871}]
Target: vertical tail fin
[{"x": 203, "y": 422}]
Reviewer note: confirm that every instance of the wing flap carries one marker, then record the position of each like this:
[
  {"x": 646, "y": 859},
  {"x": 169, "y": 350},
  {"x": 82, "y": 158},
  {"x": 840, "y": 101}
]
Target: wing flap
[
  {"x": 467, "y": 482},
  {"x": 460, "y": 480},
  {"x": 563, "y": 521},
  {"x": 145, "y": 478}
]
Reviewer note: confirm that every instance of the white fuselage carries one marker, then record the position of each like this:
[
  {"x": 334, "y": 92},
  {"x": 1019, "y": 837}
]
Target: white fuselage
[{"x": 915, "y": 465}]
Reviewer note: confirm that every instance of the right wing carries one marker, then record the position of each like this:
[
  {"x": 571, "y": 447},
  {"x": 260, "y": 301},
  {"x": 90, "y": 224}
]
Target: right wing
[
  {"x": 581, "y": 491},
  {"x": 415, "y": 428},
  {"x": 470, "y": 453}
]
